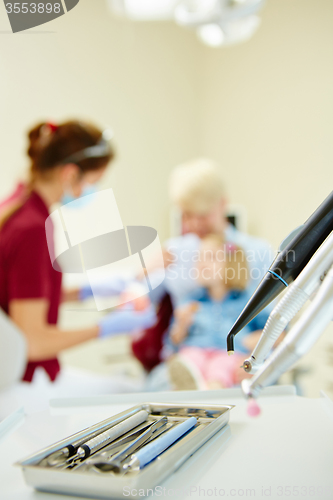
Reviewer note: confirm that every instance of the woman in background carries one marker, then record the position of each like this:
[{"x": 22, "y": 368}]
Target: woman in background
[{"x": 62, "y": 164}]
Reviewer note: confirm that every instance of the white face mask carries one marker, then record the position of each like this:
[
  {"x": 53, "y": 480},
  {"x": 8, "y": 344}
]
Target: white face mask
[{"x": 80, "y": 201}]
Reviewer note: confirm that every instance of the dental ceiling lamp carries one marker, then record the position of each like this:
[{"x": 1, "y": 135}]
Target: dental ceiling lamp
[{"x": 216, "y": 22}]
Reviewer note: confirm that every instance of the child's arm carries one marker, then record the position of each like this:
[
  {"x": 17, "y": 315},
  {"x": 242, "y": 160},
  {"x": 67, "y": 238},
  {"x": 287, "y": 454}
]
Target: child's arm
[{"x": 183, "y": 320}]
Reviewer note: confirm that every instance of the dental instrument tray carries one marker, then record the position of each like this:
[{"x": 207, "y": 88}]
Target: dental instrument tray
[{"x": 135, "y": 449}]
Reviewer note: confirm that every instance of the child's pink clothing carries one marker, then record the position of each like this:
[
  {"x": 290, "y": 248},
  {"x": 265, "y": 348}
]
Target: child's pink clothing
[{"x": 214, "y": 364}]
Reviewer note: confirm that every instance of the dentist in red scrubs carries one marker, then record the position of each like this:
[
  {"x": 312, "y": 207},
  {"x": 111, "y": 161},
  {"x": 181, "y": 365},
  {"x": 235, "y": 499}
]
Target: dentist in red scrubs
[{"x": 30, "y": 289}]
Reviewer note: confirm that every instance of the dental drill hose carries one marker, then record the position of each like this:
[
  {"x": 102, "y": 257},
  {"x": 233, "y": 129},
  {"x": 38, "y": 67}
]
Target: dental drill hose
[
  {"x": 291, "y": 303},
  {"x": 298, "y": 341},
  {"x": 288, "y": 264},
  {"x": 279, "y": 318}
]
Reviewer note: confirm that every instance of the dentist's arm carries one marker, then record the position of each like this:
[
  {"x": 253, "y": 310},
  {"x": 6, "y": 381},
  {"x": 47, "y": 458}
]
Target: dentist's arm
[{"x": 45, "y": 341}]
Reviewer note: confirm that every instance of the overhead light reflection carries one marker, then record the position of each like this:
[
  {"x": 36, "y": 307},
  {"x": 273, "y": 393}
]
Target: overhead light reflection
[
  {"x": 144, "y": 10},
  {"x": 216, "y": 22},
  {"x": 211, "y": 35}
]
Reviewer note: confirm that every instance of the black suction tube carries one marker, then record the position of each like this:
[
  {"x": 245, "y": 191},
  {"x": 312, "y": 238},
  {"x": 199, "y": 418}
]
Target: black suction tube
[{"x": 287, "y": 265}]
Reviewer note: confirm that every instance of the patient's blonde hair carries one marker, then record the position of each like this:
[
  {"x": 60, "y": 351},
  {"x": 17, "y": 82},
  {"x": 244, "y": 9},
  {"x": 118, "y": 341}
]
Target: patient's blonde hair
[
  {"x": 196, "y": 186},
  {"x": 236, "y": 275}
]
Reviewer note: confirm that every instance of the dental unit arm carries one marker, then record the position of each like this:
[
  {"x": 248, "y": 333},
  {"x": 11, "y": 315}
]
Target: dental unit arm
[
  {"x": 298, "y": 341},
  {"x": 288, "y": 264},
  {"x": 293, "y": 300}
]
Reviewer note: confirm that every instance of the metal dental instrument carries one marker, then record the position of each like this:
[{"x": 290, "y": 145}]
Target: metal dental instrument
[
  {"x": 288, "y": 264},
  {"x": 97, "y": 443},
  {"x": 152, "y": 450},
  {"x": 60, "y": 456},
  {"x": 97, "y": 461},
  {"x": 296, "y": 296},
  {"x": 113, "y": 447},
  {"x": 297, "y": 342},
  {"x": 109, "y": 451},
  {"x": 115, "y": 464}
]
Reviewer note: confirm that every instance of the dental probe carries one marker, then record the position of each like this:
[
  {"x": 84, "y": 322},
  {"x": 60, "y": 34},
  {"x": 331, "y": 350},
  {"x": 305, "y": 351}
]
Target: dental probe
[
  {"x": 296, "y": 296},
  {"x": 97, "y": 443},
  {"x": 297, "y": 342},
  {"x": 291, "y": 259}
]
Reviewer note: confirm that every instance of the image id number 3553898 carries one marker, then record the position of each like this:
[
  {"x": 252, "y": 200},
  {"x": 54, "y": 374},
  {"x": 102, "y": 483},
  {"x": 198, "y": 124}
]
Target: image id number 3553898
[{"x": 32, "y": 8}]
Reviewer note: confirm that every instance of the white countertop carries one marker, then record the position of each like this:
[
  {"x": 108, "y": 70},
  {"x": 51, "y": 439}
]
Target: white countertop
[{"x": 288, "y": 448}]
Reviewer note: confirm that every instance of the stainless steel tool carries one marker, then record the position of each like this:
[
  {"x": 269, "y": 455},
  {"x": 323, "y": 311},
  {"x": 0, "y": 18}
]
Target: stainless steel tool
[
  {"x": 114, "y": 462},
  {"x": 97, "y": 443},
  {"x": 92, "y": 482},
  {"x": 60, "y": 456},
  {"x": 112, "y": 448}
]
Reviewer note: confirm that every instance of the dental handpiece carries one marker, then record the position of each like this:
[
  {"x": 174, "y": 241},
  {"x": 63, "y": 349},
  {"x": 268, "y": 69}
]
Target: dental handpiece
[
  {"x": 296, "y": 296},
  {"x": 297, "y": 342},
  {"x": 97, "y": 443},
  {"x": 70, "y": 449},
  {"x": 293, "y": 256}
]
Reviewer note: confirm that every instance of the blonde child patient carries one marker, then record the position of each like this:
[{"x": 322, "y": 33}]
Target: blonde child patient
[{"x": 195, "y": 347}]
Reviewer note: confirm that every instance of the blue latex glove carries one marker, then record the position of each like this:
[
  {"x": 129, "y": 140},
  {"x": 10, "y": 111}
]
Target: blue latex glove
[
  {"x": 127, "y": 320},
  {"x": 105, "y": 288}
]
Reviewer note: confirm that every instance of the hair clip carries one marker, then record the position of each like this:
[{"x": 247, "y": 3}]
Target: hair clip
[{"x": 52, "y": 127}]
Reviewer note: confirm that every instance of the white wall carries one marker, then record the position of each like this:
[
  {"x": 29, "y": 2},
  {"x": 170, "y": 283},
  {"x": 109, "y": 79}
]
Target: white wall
[
  {"x": 267, "y": 111},
  {"x": 267, "y": 117},
  {"x": 139, "y": 78},
  {"x": 264, "y": 109}
]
